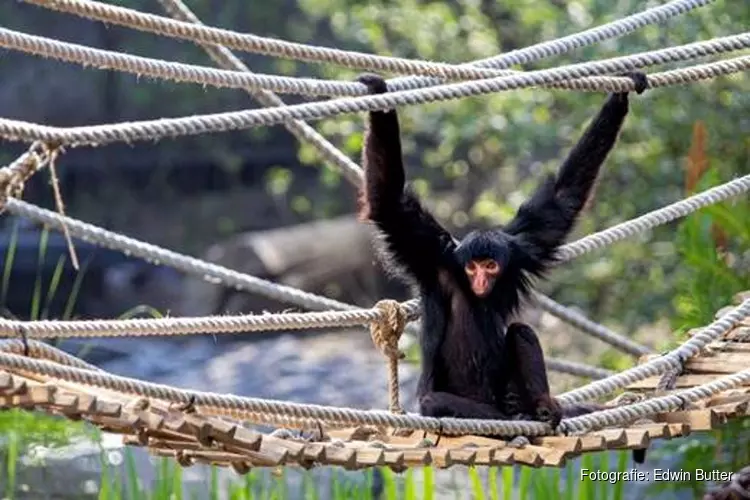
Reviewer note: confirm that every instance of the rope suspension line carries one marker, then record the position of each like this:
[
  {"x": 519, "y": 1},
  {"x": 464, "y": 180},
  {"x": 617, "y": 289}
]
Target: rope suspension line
[
  {"x": 351, "y": 316},
  {"x": 273, "y": 47},
  {"x": 543, "y": 50},
  {"x": 658, "y": 217},
  {"x": 221, "y": 122},
  {"x": 578, "y": 369},
  {"x": 212, "y": 403},
  {"x": 660, "y": 365},
  {"x": 590, "y": 327},
  {"x": 299, "y": 129},
  {"x": 181, "y": 72}
]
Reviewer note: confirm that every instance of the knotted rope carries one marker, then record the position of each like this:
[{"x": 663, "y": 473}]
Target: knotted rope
[
  {"x": 386, "y": 332},
  {"x": 14, "y": 176}
]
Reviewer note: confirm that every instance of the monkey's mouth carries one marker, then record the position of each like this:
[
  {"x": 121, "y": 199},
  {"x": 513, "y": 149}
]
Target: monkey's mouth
[{"x": 481, "y": 292}]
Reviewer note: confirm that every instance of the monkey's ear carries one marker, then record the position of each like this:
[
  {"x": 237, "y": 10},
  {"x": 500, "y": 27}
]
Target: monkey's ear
[{"x": 375, "y": 83}]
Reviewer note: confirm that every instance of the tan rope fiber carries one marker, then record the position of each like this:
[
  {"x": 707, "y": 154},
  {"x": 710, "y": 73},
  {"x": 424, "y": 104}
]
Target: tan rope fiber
[
  {"x": 386, "y": 332},
  {"x": 151, "y": 130},
  {"x": 13, "y": 176}
]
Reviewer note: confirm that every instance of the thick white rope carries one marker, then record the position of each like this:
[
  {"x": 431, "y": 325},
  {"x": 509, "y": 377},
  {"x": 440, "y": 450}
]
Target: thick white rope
[
  {"x": 590, "y": 327},
  {"x": 301, "y": 130},
  {"x": 655, "y": 218},
  {"x": 221, "y": 122},
  {"x": 350, "y": 315},
  {"x": 144, "y": 327},
  {"x": 614, "y": 29},
  {"x": 658, "y": 366},
  {"x": 239, "y": 407},
  {"x": 630, "y": 413},
  {"x": 180, "y": 72},
  {"x": 161, "y": 256},
  {"x": 268, "y": 46},
  {"x": 577, "y": 369}
]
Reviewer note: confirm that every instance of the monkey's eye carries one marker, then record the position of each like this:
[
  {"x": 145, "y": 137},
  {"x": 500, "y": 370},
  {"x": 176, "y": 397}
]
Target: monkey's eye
[
  {"x": 492, "y": 267},
  {"x": 471, "y": 268}
]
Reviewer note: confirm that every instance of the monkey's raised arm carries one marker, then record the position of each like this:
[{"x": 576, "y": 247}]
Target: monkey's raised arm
[
  {"x": 415, "y": 239},
  {"x": 544, "y": 221}
]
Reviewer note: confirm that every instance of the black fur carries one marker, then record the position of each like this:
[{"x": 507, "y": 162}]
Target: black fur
[{"x": 474, "y": 365}]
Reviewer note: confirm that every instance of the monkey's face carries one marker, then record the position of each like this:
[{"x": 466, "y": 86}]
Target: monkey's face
[{"x": 482, "y": 275}]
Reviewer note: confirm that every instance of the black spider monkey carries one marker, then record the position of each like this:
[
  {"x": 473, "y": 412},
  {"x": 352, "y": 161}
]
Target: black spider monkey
[{"x": 475, "y": 364}]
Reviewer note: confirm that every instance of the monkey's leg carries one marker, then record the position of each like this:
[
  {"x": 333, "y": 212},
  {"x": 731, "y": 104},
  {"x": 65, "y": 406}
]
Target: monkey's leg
[
  {"x": 529, "y": 374},
  {"x": 444, "y": 404}
]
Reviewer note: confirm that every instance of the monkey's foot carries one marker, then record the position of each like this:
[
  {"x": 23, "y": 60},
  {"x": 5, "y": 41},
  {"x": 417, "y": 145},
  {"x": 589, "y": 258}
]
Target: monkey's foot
[
  {"x": 639, "y": 78},
  {"x": 375, "y": 83},
  {"x": 304, "y": 435},
  {"x": 519, "y": 442}
]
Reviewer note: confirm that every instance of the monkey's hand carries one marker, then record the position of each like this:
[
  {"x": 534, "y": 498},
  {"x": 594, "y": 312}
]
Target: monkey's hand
[
  {"x": 548, "y": 410},
  {"x": 639, "y": 78},
  {"x": 375, "y": 83}
]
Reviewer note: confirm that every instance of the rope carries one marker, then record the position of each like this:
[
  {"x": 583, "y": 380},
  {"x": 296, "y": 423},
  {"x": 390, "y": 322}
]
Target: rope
[
  {"x": 657, "y": 366},
  {"x": 238, "y": 406},
  {"x": 578, "y": 369},
  {"x": 44, "y": 351},
  {"x": 158, "y": 255},
  {"x": 14, "y": 176},
  {"x": 590, "y": 327},
  {"x": 241, "y": 281},
  {"x": 201, "y": 34},
  {"x": 386, "y": 332},
  {"x": 566, "y": 44},
  {"x": 180, "y": 72},
  {"x": 352, "y": 171},
  {"x": 143, "y": 327},
  {"x": 301, "y": 52},
  {"x": 629, "y": 413},
  {"x": 201, "y": 124},
  {"x": 301, "y": 130},
  {"x": 655, "y": 218},
  {"x": 270, "y": 410}
]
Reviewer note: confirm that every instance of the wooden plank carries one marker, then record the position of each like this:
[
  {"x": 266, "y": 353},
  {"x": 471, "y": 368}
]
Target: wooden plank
[
  {"x": 614, "y": 438},
  {"x": 592, "y": 442},
  {"x": 441, "y": 457},
  {"x": 567, "y": 444},
  {"x": 726, "y": 363},
  {"x": 698, "y": 420},
  {"x": 463, "y": 456},
  {"x": 416, "y": 457},
  {"x": 369, "y": 457}
]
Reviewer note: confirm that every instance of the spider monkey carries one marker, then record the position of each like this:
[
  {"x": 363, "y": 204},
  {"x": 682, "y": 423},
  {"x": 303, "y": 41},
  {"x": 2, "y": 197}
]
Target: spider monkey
[{"x": 474, "y": 363}]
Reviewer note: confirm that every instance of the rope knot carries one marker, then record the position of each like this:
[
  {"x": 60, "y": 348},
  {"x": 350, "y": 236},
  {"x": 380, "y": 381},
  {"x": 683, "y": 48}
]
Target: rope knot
[
  {"x": 386, "y": 332},
  {"x": 14, "y": 176},
  {"x": 387, "y": 329}
]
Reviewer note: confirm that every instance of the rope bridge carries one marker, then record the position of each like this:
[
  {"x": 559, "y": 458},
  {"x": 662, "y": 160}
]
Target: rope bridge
[{"x": 695, "y": 387}]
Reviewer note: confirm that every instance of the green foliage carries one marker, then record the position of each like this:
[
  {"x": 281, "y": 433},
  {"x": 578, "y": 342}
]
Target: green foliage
[{"x": 714, "y": 247}]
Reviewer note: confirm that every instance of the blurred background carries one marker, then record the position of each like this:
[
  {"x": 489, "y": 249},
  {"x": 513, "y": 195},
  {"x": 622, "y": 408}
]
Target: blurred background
[{"x": 260, "y": 202}]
